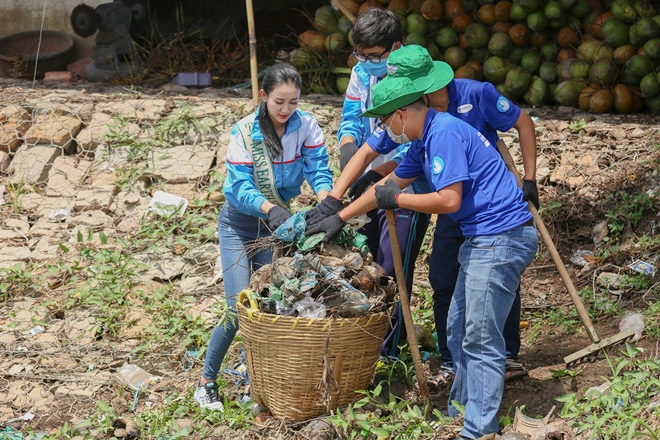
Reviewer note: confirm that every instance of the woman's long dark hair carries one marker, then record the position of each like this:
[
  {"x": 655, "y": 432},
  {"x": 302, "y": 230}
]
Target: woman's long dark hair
[{"x": 275, "y": 75}]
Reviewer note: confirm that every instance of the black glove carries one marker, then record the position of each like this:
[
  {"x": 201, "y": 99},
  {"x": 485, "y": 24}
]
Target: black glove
[
  {"x": 387, "y": 194},
  {"x": 276, "y": 216},
  {"x": 326, "y": 208},
  {"x": 363, "y": 184},
  {"x": 346, "y": 151},
  {"x": 330, "y": 225},
  {"x": 531, "y": 192}
]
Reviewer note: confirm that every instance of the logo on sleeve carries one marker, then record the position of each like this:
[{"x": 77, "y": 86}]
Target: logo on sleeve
[
  {"x": 464, "y": 108},
  {"x": 438, "y": 165},
  {"x": 503, "y": 104}
]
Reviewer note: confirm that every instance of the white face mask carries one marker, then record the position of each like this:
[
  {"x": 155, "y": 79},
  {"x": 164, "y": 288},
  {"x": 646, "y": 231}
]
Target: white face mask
[{"x": 397, "y": 138}]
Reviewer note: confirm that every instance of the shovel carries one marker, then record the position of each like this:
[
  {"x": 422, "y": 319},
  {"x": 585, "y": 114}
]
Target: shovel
[
  {"x": 405, "y": 304},
  {"x": 590, "y": 353}
]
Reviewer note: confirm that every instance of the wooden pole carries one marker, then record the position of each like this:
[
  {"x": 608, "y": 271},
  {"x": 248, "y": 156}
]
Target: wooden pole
[
  {"x": 253, "y": 53},
  {"x": 344, "y": 10},
  {"x": 405, "y": 305}
]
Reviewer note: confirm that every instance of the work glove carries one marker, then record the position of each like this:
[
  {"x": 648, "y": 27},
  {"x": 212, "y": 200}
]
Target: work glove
[
  {"x": 387, "y": 195},
  {"x": 531, "y": 192},
  {"x": 276, "y": 216},
  {"x": 330, "y": 225},
  {"x": 346, "y": 152},
  {"x": 326, "y": 208},
  {"x": 363, "y": 184}
]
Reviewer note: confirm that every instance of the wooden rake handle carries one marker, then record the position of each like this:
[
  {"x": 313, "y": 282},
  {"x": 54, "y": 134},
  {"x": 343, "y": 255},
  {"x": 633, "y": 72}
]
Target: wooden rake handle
[
  {"x": 550, "y": 245},
  {"x": 405, "y": 304}
]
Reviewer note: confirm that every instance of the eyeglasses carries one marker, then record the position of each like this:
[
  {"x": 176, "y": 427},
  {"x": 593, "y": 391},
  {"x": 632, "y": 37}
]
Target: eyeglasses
[
  {"x": 376, "y": 59},
  {"x": 381, "y": 122}
]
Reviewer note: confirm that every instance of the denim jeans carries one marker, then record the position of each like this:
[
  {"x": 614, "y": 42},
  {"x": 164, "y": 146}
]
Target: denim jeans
[
  {"x": 236, "y": 231},
  {"x": 490, "y": 271},
  {"x": 447, "y": 241}
]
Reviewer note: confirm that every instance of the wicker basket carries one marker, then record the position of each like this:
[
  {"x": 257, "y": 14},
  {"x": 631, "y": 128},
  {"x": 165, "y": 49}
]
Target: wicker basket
[{"x": 299, "y": 368}]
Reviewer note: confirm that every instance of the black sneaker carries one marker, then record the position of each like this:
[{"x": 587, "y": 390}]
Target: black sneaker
[{"x": 207, "y": 397}]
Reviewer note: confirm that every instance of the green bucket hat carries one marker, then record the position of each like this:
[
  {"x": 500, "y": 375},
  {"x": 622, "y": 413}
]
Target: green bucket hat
[
  {"x": 392, "y": 93},
  {"x": 415, "y": 62}
]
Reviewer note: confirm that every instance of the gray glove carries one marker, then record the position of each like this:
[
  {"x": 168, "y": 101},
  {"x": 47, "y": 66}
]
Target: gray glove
[
  {"x": 363, "y": 184},
  {"x": 346, "y": 152},
  {"x": 531, "y": 192},
  {"x": 276, "y": 216},
  {"x": 387, "y": 194},
  {"x": 330, "y": 225},
  {"x": 326, "y": 208}
]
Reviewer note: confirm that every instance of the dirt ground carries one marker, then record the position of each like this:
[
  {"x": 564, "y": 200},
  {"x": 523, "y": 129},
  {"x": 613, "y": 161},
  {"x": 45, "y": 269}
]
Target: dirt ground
[{"x": 577, "y": 168}]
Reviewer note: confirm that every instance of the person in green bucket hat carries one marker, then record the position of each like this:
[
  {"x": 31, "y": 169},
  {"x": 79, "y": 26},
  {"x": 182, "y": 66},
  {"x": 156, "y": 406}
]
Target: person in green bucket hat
[
  {"x": 483, "y": 107},
  {"x": 470, "y": 183}
]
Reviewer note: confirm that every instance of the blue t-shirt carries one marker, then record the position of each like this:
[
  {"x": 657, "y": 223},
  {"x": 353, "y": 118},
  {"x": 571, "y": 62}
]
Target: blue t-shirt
[{"x": 452, "y": 151}]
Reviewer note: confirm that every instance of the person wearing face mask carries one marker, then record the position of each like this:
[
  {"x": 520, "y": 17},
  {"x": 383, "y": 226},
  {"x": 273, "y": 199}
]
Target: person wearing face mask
[
  {"x": 270, "y": 153},
  {"x": 483, "y": 107},
  {"x": 377, "y": 33}
]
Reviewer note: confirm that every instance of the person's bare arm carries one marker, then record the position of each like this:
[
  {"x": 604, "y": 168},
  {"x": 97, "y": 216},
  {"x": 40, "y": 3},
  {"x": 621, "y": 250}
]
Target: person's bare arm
[
  {"x": 527, "y": 137},
  {"x": 354, "y": 169}
]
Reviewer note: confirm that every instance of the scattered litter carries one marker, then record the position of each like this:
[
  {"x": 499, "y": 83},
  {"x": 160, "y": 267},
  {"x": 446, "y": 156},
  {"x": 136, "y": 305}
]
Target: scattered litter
[
  {"x": 36, "y": 330},
  {"x": 163, "y": 203},
  {"x": 582, "y": 257},
  {"x": 643, "y": 267},
  {"x": 21, "y": 234},
  {"x": 632, "y": 320},
  {"x": 58, "y": 216},
  {"x": 595, "y": 392},
  {"x": 528, "y": 425},
  {"x": 24, "y": 418},
  {"x": 10, "y": 434},
  {"x": 2, "y": 193},
  {"x": 610, "y": 280},
  {"x": 357, "y": 222},
  {"x": 135, "y": 377}
]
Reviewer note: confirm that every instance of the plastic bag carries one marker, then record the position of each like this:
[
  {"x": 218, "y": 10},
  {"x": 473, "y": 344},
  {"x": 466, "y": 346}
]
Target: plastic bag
[
  {"x": 308, "y": 308},
  {"x": 632, "y": 320},
  {"x": 135, "y": 377}
]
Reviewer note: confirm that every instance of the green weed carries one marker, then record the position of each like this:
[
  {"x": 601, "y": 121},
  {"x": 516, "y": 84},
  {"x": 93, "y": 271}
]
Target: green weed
[{"x": 577, "y": 126}]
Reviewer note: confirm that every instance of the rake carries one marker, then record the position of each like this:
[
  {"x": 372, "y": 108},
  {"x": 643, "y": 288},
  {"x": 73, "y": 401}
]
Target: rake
[{"x": 590, "y": 353}]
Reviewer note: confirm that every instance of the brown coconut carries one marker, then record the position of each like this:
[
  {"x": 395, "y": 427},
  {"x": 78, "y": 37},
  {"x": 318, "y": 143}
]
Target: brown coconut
[
  {"x": 585, "y": 96},
  {"x": 502, "y": 9},
  {"x": 432, "y": 10},
  {"x": 486, "y": 15},
  {"x": 519, "y": 34},
  {"x": 568, "y": 37},
  {"x": 624, "y": 99},
  {"x": 602, "y": 101},
  {"x": 453, "y": 8},
  {"x": 597, "y": 24}
]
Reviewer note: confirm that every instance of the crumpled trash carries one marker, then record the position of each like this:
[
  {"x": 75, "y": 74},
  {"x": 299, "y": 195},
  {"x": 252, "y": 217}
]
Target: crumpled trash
[
  {"x": 582, "y": 257},
  {"x": 632, "y": 320},
  {"x": 58, "y": 216},
  {"x": 135, "y": 376},
  {"x": 308, "y": 308}
]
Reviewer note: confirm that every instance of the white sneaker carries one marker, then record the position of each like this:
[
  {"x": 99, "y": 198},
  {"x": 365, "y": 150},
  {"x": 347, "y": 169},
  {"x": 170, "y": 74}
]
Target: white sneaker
[{"x": 207, "y": 397}]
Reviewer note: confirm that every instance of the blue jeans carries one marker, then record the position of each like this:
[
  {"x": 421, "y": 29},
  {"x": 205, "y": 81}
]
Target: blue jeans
[
  {"x": 447, "y": 240},
  {"x": 236, "y": 231},
  {"x": 490, "y": 271}
]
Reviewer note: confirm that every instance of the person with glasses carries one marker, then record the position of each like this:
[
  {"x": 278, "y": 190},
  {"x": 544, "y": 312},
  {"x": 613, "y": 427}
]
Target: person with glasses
[
  {"x": 471, "y": 184},
  {"x": 377, "y": 34},
  {"x": 482, "y": 106}
]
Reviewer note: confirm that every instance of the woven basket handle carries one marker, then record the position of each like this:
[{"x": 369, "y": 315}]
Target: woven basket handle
[{"x": 247, "y": 294}]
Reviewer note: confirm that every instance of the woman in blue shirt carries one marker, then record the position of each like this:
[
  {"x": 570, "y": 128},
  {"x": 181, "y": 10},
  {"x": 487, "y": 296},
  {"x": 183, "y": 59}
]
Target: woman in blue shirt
[{"x": 270, "y": 153}]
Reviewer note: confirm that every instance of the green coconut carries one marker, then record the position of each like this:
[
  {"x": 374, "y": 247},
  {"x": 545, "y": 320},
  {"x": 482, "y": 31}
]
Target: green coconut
[
  {"x": 644, "y": 9},
  {"x": 603, "y": 72},
  {"x": 623, "y": 10},
  {"x": 573, "y": 22},
  {"x": 581, "y": 9},
  {"x": 434, "y": 51},
  {"x": 455, "y": 56},
  {"x": 446, "y": 37},
  {"x": 536, "y": 92},
  {"x": 647, "y": 28},
  {"x": 568, "y": 92},
  {"x": 653, "y": 104},
  {"x": 580, "y": 69},
  {"x": 548, "y": 71},
  {"x": 628, "y": 78},
  {"x": 537, "y": 22},
  {"x": 652, "y": 48},
  {"x": 603, "y": 52},
  {"x": 549, "y": 51},
  {"x": 531, "y": 61},
  {"x": 586, "y": 50},
  {"x": 335, "y": 42},
  {"x": 415, "y": 23},
  {"x": 344, "y": 25},
  {"x": 633, "y": 36},
  {"x": 417, "y": 38},
  {"x": 567, "y": 4},
  {"x": 477, "y": 35},
  {"x": 649, "y": 85},
  {"x": 552, "y": 10},
  {"x": 517, "y": 13},
  {"x": 530, "y": 6},
  {"x": 504, "y": 91},
  {"x": 326, "y": 20},
  {"x": 623, "y": 53},
  {"x": 615, "y": 32},
  {"x": 496, "y": 68},
  {"x": 301, "y": 58},
  {"x": 656, "y": 18},
  {"x": 564, "y": 69},
  {"x": 516, "y": 54},
  {"x": 342, "y": 84},
  {"x": 639, "y": 65},
  {"x": 480, "y": 54},
  {"x": 500, "y": 44},
  {"x": 517, "y": 80}
]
